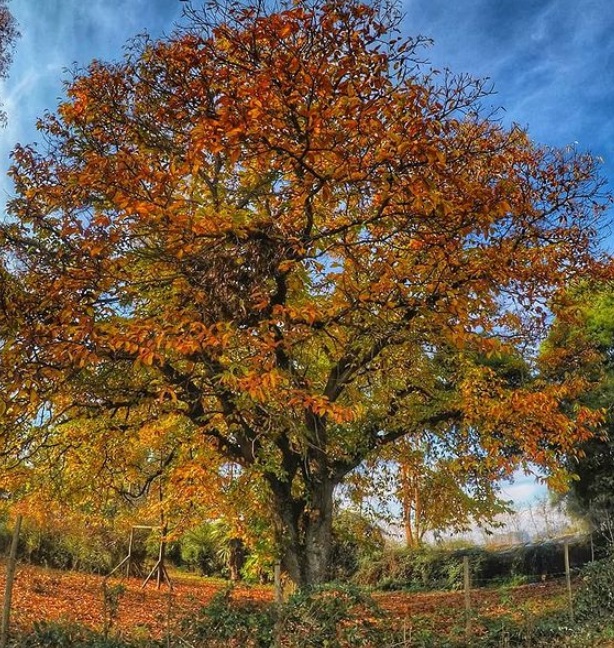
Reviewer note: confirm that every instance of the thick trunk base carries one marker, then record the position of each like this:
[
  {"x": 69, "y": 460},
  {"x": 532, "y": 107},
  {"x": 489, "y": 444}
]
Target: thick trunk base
[{"x": 306, "y": 537}]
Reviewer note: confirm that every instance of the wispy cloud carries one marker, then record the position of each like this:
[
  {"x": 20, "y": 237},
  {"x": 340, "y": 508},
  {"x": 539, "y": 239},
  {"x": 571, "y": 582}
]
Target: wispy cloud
[
  {"x": 552, "y": 62},
  {"x": 56, "y": 36}
]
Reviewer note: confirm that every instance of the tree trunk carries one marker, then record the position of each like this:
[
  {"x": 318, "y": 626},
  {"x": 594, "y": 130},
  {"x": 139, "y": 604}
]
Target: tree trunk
[
  {"x": 407, "y": 504},
  {"x": 236, "y": 558},
  {"x": 318, "y": 535},
  {"x": 305, "y": 530},
  {"x": 419, "y": 531}
]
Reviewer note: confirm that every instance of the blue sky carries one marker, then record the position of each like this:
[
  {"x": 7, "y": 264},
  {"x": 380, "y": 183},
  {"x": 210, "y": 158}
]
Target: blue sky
[
  {"x": 58, "y": 34},
  {"x": 550, "y": 61}
]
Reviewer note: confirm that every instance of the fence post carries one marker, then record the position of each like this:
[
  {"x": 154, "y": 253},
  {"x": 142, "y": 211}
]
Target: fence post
[
  {"x": 568, "y": 579},
  {"x": 279, "y": 593},
  {"x": 8, "y": 588},
  {"x": 129, "y": 556},
  {"x": 467, "y": 587}
]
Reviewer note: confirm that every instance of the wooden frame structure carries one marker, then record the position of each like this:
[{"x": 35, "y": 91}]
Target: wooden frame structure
[{"x": 158, "y": 569}]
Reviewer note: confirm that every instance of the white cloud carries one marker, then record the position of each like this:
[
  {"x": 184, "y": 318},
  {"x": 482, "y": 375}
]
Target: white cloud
[
  {"x": 56, "y": 35},
  {"x": 523, "y": 489}
]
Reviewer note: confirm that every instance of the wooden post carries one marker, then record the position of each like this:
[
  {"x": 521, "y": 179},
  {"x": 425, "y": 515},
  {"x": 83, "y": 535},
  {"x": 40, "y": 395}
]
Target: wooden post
[
  {"x": 159, "y": 569},
  {"x": 568, "y": 579},
  {"x": 129, "y": 556},
  {"x": 8, "y": 588},
  {"x": 279, "y": 594},
  {"x": 169, "y": 614},
  {"x": 467, "y": 587},
  {"x": 161, "y": 557},
  {"x": 529, "y": 623}
]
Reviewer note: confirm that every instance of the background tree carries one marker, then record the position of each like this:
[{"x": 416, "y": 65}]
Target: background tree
[
  {"x": 267, "y": 225},
  {"x": 420, "y": 486},
  {"x": 8, "y": 35},
  {"x": 440, "y": 495},
  {"x": 430, "y": 484},
  {"x": 582, "y": 343}
]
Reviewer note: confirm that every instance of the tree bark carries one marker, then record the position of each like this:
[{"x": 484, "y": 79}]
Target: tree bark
[
  {"x": 305, "y": 530},
  {"x": 418, "y": 514},
  {"x": 318, "y": 535},
  {"x": 236, "y": 558},
  {"x": 8, "y": 589}
]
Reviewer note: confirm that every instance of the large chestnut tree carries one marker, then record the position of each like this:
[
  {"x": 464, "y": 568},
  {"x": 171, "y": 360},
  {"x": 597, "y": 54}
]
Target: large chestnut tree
[{"x": 267, "y": 227}]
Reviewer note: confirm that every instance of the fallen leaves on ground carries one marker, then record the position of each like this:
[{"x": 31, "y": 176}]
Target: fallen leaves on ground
[{"x": 41, "y": 594}]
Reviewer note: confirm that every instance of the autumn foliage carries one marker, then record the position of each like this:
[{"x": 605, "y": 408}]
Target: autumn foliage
[{"x": 279, "y": 241}]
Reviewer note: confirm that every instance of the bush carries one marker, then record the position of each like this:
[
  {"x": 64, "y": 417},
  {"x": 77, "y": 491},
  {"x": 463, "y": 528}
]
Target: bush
[
  {"x": 430, "y": 568},
  {"x": 327, "y": 616},
  {"x": 200, "y": 551},
  {"x": 95, "y": 553},
  {"x": 595, "y": 596},
  {"x": 356, "y": 540},
  {"x": 330, "y": 616},
  {"x": 226, "y": 622},
  {"x": 6, "y": 533},
  {"x": 413, "y": 569}
]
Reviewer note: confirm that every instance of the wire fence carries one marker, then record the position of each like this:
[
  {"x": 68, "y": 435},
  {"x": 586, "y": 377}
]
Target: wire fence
[{"x": 479, "y": 598}]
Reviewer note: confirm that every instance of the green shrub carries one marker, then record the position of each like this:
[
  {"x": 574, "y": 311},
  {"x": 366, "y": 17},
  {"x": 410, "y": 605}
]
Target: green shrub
[
  {"x": 430, "y": 568},
  {"x": 6, "y": 532},
  {"x": 225, "y": 620},
  {"x": 213, "y": 550},
  {"x": 96, "y": 553},
  {"x": 595, "y": 596},
  {"x": 356, "y": 539},
  {"x": 200, "y": 552},
  {"x": 330, "y": 616},
  {"x": 334, "y": 617},
  {"x": 417, "y": 569}
]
